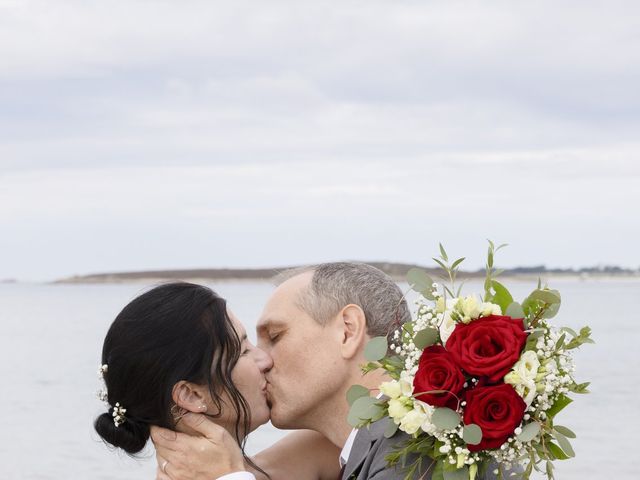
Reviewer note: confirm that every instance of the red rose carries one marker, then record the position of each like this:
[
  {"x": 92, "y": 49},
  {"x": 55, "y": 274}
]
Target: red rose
[
  {"x": 497, "y": 410},
  {"x": 438, "y": 370},
  {"x": 488, "y": 346}
]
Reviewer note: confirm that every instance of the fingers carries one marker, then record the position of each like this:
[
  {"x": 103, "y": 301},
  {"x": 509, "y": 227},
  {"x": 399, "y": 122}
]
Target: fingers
[
  {"x": 204, "y": 426},
  {"x": 164, "y": 438},
  {"x": 160, "y": 475}
]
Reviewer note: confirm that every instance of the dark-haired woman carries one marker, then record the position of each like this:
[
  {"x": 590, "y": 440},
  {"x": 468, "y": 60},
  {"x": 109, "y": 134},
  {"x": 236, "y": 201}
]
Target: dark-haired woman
[{"x": 177, "y": 349}]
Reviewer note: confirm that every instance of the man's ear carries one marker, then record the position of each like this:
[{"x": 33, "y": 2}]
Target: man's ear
[
  {"x": 354, "y": 330},
  {"x": 190, "y": 396}
]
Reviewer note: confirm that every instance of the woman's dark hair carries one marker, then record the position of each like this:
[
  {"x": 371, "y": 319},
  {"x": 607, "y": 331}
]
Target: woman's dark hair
[{"x": 176, "y": 331}]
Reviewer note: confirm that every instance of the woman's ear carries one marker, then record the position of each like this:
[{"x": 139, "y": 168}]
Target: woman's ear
[
  {"x": 354, "y": 330},
  {"x": 190, "y": 396}
]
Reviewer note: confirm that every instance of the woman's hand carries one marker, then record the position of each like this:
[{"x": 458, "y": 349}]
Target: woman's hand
[{"x": 185, "y": 457}]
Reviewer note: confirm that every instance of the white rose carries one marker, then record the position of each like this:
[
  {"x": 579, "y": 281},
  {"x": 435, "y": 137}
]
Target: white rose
[
  {"x": 391, "y": 389},
  {"x": 398, "y": 408},
  {"x": 428, "y": 410},
  {"x": 412, "y": 421}
]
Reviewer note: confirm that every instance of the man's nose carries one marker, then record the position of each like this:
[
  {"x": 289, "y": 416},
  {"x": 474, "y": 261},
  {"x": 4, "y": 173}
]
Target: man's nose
[{"x": 264, "y": 360}]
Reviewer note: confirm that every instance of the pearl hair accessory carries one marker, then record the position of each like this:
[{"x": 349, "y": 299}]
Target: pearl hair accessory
[{"x": 118, "y": 414}]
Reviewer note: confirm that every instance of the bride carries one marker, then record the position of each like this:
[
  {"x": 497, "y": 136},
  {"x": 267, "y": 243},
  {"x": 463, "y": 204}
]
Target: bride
[{"x": 176, "y": 351}]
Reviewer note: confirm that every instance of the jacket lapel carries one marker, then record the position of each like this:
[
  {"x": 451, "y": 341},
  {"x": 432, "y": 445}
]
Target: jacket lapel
[{"x": 361, "y": 446}]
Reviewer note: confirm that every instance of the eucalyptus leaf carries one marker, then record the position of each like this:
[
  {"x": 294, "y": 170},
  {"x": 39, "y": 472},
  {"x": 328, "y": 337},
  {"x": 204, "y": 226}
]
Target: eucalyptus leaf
[
  {"x": 547, "y": 296},
  {"x": 459, "y": 474},
  {"x": 420, "y": 282},
  {"x": 552, "y": 311},
  {"x": 564, "y": 431},
  {"x": 445, "y": 419},
  {"x": 529, "y": 432},
  {"x": 457, "y": 262},
  {"x": 391, "y": 429},
  {"x": 360, "y": 411},
  {"x": 355, "y": 392},
  {"x": 425, "y": 338},
  {"x": 376, "y": 349},
  {"x": 472, "y": 434},
  {"x": 564, "y": 444},
  {"x": 514, "y": 310}
]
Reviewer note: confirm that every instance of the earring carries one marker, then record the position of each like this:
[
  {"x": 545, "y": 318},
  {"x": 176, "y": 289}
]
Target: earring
[{"x": 177, "y": 413}]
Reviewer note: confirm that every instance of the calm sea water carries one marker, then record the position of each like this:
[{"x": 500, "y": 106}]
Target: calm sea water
[{"x": 51, "y": 337}]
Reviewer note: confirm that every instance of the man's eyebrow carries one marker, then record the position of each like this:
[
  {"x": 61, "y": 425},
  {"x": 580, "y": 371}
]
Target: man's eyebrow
[{"x": 271, "y": 323}]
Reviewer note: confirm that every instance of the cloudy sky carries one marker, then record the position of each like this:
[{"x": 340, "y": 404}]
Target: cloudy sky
[{"x": 177, "y": 134}]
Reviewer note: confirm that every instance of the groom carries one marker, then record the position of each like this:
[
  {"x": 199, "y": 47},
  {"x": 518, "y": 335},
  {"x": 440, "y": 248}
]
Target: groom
[{"x": 315, "y": 327}]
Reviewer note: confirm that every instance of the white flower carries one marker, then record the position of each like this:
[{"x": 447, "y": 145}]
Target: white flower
[
  {"x": 490, "y": 309},
  {"x": 448, "y": 324},
  {"x": 468, "y": 308},
  {"x": 391, "y": 389},
  {"x": 399, "y": 407},
  {"x": 523, "y": 376},
  {"x": 412, "y": 421}
]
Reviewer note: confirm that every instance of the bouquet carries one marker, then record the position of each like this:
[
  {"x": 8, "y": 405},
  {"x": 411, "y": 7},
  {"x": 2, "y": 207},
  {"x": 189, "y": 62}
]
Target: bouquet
[{"x": 475, "y": 382}]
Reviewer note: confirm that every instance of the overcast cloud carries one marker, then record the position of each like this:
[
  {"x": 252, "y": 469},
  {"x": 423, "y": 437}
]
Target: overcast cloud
[{"x": 174, "y": 134}]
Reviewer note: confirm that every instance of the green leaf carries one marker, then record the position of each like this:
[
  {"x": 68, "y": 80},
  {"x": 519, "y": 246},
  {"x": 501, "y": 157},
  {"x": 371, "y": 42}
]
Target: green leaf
[
  {"x": 391, "y": 429},
  {"x": 514, "y": 310},
  {"x": 438, "y": 471},
  {"x": 556, "y": 451},
  {"x": 559, "y": 404},
  {"x": 457, "y": 262},
  {"x": 564, "y": 431},
  {"x": 472, "y": 434},
  {"x": 425, "y": 338},
  {"x": 443, "y": 253},
  {"x": 547, "y": 296},
  {"x": 460, "y": 474},
  {"x": 529, "y": 432},
  {"x": 564, "y": 444},
  {"x": 560, "y": 341},
  {"x": 570, "y": 331},
  {"x": 355, "y": 392},
  {"x": 490, "y": 259},
  {"x": 361, "y": 410},
  {"x": 376, "y": 349},
  {"x": 442, "y": 265},
  {"x": 551, "y": 311},
  {"x": 420, "y": 282},
  {"x": 502, "y": 296},
  {"x": 445, "y": 419}
]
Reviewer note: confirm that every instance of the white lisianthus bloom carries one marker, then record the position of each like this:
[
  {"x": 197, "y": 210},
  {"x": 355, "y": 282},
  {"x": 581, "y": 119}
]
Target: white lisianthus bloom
[
  {"x": 523, "y": 376},
  {"x": 412, "y": 421},
  {"x": 490, "y": 309},
  {"x": 399, "y": 407},
  {"x": 391, "y": 389},
  {"x": 428, "y": 410},
  {"x": 468, "y": 308},
  {"x": 448, "y": 324},
  {"x": 406, "y": 383}
]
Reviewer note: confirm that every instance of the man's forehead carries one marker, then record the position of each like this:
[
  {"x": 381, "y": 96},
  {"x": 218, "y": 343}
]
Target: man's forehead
[{"x": 271, "y": 322}]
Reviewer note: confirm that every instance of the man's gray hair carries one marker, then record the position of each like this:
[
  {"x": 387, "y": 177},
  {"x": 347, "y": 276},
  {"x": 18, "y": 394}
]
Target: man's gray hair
[{"x": 336, "y": 285}]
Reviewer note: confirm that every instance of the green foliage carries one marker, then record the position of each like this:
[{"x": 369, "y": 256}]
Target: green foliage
[
  {"x": 445, "y": 419},
  {"x": 391, "y": 428},
  {"x": 514, "y": 310},
  {"x": 491, "y": 271},
  {"x": 499, "y": 294},
  {"x": 579, "y": 387},
  {"x": 472, "y": 434},
  {"x": 458, "y": 474},
  {"x": 376, "y": 349},
  {"x": 425, "y": 338},
  {"x": 451, "y": 271},
  {"x": 564, "y": 431},
  {"x": 365, "y": 410},
  {"x": 420, "y": 282},
  {"x": 559, "y": 404},
  {"x": 529, "y": 432},
  {"x": 580, "y": 339},
  {"x": 355, "y": 392}
]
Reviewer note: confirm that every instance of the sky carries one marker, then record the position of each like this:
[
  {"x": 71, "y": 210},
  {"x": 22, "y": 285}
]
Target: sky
[{"x": 139, "y": 135}]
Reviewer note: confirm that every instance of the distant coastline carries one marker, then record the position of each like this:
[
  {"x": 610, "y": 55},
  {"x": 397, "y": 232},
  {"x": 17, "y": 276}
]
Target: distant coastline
[{"x": 396, "y": 270}]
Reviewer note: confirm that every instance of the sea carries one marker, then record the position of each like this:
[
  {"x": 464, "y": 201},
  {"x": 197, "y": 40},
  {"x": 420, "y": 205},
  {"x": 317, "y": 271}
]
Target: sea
[{"x": 51, "y": 337}]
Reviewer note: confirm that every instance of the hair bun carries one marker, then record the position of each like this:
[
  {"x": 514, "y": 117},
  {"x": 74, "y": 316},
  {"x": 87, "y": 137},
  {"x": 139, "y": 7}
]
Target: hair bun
[{"x": 131, "y": 436}]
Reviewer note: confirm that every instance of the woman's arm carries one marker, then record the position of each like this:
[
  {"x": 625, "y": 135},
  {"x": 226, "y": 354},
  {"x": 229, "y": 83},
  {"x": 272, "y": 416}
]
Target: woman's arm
[{"x": 303, "y": 455}]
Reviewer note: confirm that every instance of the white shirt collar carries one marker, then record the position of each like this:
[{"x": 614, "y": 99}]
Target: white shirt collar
[{"x": 348, "y": 445}]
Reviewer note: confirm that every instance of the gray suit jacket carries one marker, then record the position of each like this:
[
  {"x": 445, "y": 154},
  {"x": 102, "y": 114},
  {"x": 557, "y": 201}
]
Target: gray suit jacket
[
  {"x": 370, "y": 447},
  {"x": 367, "y": 458}
]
